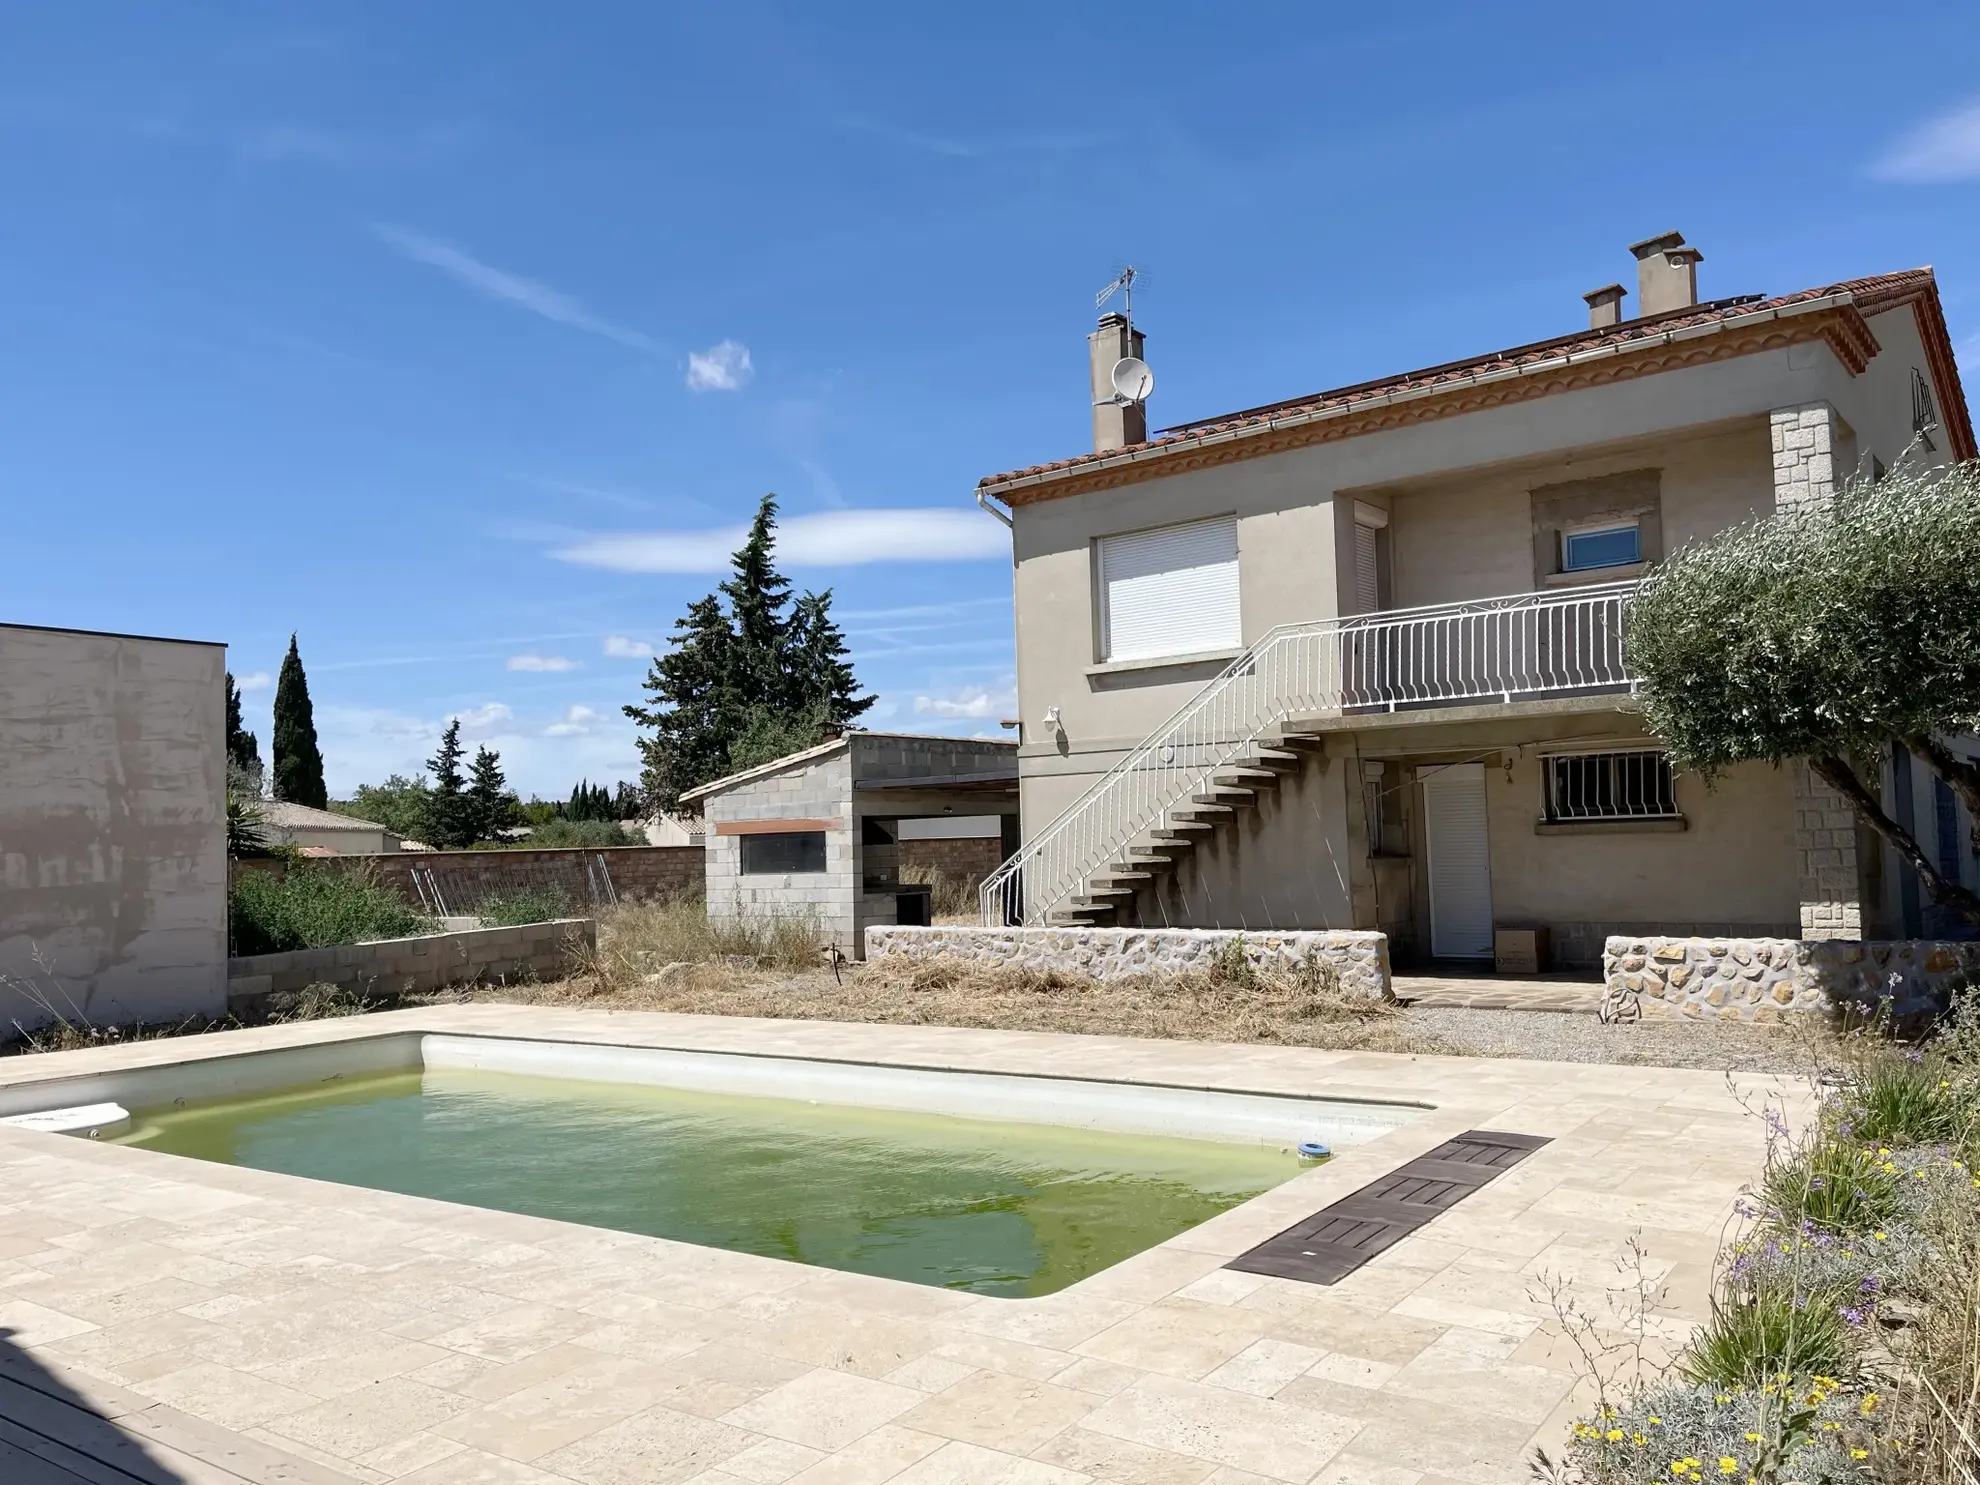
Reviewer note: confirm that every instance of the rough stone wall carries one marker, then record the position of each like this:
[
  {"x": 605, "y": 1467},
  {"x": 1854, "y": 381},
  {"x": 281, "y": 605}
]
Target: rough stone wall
[
  {"x": 1105, "y": 953},
  {"x": 465, "y": 879},
  {"x": 1805, "y": 447},
  {"x": 1756, "y": 979},
  {"x": 113, "y": 844},
  {"x": 544, "y": 951}
]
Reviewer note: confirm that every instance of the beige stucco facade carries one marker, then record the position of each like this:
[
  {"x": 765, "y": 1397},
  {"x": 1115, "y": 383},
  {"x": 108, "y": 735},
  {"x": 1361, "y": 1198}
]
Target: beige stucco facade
[
  {"x": 113, "y": 852},
  {"x": 1474, "y": 504}
]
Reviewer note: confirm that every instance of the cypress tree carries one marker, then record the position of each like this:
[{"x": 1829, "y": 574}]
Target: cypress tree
[
  {"x": 243, "y": 750},
  {"x": 449, "y": 816},
  {"x": 757, "y": 595},
  {"x": 491, "y": 808},
  {"x": 298, "y": 760}
]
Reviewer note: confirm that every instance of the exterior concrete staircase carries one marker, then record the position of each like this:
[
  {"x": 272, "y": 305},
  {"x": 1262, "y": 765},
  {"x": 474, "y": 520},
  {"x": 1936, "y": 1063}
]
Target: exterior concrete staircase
[{"x": 1239, "y": 737}]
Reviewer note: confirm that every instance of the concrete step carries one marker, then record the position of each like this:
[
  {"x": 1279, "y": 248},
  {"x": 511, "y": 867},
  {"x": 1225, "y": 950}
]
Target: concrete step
[
  {"x": 1209, "y": 813},
  {"x": 1280, "y": 760},
  {"x": 1239, "y": 774},
  {"x": 1230, "y": 794}
]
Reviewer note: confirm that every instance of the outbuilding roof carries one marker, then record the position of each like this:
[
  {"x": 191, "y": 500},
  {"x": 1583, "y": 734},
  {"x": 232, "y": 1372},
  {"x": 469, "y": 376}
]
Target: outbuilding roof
[{"x": 1703, "y": 332}]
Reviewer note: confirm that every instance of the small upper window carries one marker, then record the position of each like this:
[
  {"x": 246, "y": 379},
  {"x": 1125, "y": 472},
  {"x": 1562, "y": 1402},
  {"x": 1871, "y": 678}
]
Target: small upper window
[{"x": 1602, "y": 546}]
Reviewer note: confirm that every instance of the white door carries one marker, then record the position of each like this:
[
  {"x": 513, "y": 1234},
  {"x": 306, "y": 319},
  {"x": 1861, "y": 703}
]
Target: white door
[{"x": 1460, "y": 864}]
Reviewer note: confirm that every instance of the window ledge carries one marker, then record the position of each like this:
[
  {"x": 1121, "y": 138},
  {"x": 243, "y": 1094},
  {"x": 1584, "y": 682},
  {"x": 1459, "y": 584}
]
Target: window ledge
[
  {"x": 1648, "y": 825},
  {"x": 1164, "y": 662},
  {"x": 1583, "y": 576}
]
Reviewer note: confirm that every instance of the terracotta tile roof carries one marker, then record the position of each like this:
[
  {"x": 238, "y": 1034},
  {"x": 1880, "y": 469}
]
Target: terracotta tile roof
[{"x": 1868, "y": 296}]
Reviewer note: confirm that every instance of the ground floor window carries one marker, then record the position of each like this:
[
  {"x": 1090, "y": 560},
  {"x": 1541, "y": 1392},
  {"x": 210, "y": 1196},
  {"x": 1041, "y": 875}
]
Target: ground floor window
[
  {"x": 1610, "y": 786},
  {"x": 783, "y": 852}
]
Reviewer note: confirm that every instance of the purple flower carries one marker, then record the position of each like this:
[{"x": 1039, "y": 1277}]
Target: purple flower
[
  {"x": 1855, "y": 1316},
  {"x": 1870, "y": 1284},
  {"x": 1914, "y": 1055}
]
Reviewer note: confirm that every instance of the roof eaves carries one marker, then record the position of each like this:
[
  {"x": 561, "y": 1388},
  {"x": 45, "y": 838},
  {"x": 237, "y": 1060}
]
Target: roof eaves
[{"x": 764, "y": 770}]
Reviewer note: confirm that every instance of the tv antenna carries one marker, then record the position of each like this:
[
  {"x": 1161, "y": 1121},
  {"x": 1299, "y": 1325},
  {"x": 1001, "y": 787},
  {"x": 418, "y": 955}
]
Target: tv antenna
[{"x": 1132, "y": 379}]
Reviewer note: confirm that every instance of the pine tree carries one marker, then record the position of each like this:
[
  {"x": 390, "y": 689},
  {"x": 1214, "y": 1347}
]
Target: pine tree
[
  {"x": 243, "y": 749},
  {"x": 491, "y": 808},
  {"x": 449, "y": 814},
  {"x": 740, "y": 687},
  {"x": 298, "y": 760}
]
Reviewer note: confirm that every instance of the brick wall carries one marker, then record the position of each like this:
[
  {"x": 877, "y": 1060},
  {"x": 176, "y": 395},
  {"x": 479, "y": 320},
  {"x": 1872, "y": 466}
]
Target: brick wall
[
  {"x": 465, "y": 879},
  {"x": 544, "y": 951},
  {"x": 971, "y": 857}
]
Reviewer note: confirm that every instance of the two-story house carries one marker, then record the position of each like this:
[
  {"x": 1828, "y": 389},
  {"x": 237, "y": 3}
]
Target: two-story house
[{"x": 1355, "y": 660}]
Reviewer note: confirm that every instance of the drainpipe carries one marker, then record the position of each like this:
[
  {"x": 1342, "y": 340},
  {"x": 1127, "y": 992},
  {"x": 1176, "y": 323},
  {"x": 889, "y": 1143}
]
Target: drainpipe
[{"x": 984, "y": 501}]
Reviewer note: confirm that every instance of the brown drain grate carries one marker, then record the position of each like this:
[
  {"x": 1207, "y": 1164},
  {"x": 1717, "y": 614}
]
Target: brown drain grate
[{"x": 1337, "y": 1240}]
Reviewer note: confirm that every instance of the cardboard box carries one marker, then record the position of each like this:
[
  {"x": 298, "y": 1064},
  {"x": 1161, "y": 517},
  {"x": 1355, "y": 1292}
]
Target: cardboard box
[{"x": 1519, "y": 951}]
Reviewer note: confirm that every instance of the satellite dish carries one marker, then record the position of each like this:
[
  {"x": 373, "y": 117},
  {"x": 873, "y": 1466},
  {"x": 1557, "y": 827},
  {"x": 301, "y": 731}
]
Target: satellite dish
[{"x": 1133, "y": 381}]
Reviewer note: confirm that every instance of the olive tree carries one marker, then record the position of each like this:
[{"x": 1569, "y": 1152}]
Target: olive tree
[{"x": 1827, "y": 636}]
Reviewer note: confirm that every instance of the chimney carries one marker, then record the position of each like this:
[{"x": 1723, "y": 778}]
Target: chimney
[
  {"x": 1605, "y": 306},
  {"x": 1666, "y": 274},
  {"x": 1115, "y": 425}
]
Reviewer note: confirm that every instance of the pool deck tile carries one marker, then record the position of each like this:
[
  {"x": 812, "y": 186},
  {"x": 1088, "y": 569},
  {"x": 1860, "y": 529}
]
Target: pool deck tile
[{"x": 266, "y": 1330}]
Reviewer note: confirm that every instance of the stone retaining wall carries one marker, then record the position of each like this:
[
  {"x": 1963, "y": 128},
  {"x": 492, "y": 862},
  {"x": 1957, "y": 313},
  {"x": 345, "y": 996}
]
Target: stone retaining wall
[
  {"x": 1104, "y": 953},
  {"x": 544, "y": 951},
  {"x": 1756, "y": 979}
]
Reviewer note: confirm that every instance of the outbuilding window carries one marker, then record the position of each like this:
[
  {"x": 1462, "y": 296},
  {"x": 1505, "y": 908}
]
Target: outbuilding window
[
  {"x": 1171, "y": 591},
  {"x": 783, "y": 853},
  {"x": 1610, "y": 786}
]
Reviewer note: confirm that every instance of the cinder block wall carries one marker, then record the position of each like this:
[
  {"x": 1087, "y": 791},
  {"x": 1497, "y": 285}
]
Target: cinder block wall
[
  {"x": 113, "y": 835},
  {"x": 817, "y": 791}
]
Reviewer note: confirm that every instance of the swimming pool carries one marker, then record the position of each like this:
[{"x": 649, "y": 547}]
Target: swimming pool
[{"x": 988, "y": 1183}]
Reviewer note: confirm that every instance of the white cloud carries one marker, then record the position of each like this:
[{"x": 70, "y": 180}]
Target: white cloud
[
  {"x": 623, "y": 647},
  {"x": 723, "y": 367},
  {"x": 490, "y": 719},
  {"x": 970, "y": 701},
  {"x": 838, "y": 538},
  {"x": 1946, "y": 148},
  {"x": 254, "y": 680},
  {"x": 541, "y": 662},
  {"x": 579, "y": 721},
  {"x": 509, "y": 288}
]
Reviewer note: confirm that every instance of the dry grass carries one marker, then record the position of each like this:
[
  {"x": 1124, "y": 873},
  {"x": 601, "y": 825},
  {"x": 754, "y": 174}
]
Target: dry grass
[
  {"x": 641, "y": 938},
  {"x": 951, "y": 898},
  {"x": 659, "y": 959}
]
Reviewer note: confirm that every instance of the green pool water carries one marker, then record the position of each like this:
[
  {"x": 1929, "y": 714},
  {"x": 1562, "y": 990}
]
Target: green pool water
[{"x": 995, "y": 1208}]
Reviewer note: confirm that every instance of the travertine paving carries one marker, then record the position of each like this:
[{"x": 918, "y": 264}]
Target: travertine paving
[{"x": 379, "y": 1337}]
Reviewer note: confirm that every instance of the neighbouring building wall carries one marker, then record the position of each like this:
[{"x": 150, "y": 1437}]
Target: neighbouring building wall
[
  {"x": 1731, "y": 870},
  {"x": 343, "y": 842},
  {"x": 817, "y": 791},
  {"x": 113, "y": 847}
]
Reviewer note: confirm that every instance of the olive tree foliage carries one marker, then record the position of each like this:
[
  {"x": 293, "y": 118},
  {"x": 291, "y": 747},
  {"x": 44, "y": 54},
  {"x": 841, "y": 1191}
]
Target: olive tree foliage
[{"x": 1827, "y": 636}]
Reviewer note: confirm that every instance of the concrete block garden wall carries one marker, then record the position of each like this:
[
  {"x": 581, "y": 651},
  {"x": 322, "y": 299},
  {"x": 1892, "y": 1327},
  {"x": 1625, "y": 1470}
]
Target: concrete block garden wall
[
  {"x": 542, "y": 951},
  {"x": 1106, "y": 953},
  {"x": 1756, "y": 979}
]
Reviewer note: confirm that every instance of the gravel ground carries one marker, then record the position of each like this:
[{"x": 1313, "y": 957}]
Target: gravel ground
[{"x": 1554, "y": 1036}]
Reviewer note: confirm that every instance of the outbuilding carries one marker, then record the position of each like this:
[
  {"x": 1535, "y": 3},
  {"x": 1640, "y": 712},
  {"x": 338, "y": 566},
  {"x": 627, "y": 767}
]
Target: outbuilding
[{"x": 818, "y": 833}]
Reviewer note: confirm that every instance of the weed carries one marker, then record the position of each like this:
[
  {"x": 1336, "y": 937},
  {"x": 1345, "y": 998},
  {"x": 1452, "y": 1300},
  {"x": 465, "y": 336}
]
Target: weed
[
  {"x": 312, "y": 907},
  {"x": 524, "y": 905}
]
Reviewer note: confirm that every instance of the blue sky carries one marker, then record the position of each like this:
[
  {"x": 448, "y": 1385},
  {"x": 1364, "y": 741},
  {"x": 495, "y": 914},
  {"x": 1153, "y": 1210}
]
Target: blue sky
[{"x": 447, "y": 335}]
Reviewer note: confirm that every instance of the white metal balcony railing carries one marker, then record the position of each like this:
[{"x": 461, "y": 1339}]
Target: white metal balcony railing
[{"x": 1496, "y": 650}]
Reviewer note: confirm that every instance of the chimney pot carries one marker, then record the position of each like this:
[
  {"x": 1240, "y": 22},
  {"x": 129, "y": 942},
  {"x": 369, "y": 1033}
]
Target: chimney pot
[
  {"x": 1666, "y": 273},
  {"x": 1115, "y": 425},
  {"x": 1605, "y": 306}
]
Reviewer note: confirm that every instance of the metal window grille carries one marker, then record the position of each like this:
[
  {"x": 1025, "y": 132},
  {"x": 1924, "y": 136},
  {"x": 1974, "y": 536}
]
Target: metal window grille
[
  {"x": 1924, "y": 415},
  {"x": 1610, "y": 786}
]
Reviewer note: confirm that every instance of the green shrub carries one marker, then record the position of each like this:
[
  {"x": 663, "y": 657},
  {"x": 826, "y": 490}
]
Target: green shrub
[
  {"x": 583, "y": 833},
  {"x": 525, "y": 905},
  {"x": 1751, "y": 1342},
  {"x": 314, "y": 906},
  {"x": 1842, "y": 1187},
  {"x": 1906, "y": 1100}
]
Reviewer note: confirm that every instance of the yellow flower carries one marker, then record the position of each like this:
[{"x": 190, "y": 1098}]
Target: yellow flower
[
  {"x": 1878, "y": 1236},
  {"x": 1655, "y": 1421},
  {"x": 1868, "y": 1405},
  {"x": 1859, "y": 1454},
  {"x": 1614, "y": 1435},
  {"x": 1638, "y": 1439},
  {"x": 1728, "y": 1465},
  {"x": 1753, "y": 1438}
]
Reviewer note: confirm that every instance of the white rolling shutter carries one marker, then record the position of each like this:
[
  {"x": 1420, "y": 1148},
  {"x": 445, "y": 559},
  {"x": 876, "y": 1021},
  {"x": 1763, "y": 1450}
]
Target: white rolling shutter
[
  {"x": 1170, "y": 592},
  {"x": 1460, "y": 862},
  {"x": 1367, "y": 575}
]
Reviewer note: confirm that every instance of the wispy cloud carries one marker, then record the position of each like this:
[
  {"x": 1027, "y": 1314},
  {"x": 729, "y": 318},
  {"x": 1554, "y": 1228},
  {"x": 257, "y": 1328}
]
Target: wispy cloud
[
  {"x": 508, "y": 288},
  {"x": 955, "y": 148},
  {"x": 969, "y": 701},
  {"x": 1942, "y": 149},
  {"x": 254, "y": 680},
  {"x": 579, "y": 721},
  {"x": 838, "y": 538},
  {"x": 723, "y": 367},
  {"x": 542, "y": 662},
  {"x": 624, "y": 647}
]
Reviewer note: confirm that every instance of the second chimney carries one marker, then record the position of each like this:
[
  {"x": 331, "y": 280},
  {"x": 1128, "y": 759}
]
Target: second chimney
[
  {"x": 1666, "y": 274},
  {"x": 1115, "y": 424},
  {"x": 1605, "y": 306}
]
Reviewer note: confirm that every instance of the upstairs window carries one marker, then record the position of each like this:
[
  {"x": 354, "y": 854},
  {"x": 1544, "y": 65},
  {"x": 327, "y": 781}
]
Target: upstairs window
[
  {"x": 1172, "y": 591},
  {"x": 1601, "y": 546},
  {"x": 1610, "y": 786},
  {"x": 783, "y": 853}
]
